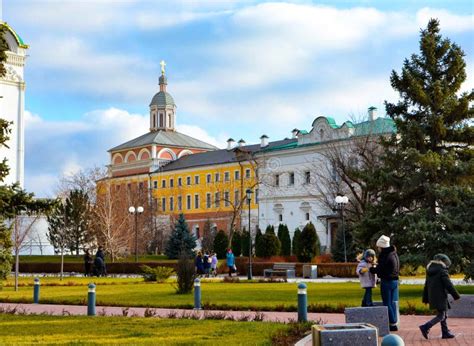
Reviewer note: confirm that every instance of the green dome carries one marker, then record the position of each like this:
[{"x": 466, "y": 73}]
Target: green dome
[{"x": 162, "y": 98}]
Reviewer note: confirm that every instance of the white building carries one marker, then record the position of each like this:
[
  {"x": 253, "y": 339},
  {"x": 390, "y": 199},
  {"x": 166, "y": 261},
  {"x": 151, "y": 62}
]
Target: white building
[
  {"x": 289, "y": 174},
  {"x": 12, "y": 104}
]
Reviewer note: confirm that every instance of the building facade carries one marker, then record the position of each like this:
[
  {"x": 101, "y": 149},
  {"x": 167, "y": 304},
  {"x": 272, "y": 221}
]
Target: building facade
[{"x": 12, "y": 104}]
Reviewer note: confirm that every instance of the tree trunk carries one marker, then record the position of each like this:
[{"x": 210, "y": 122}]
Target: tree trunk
[
  {"x": 17, "y": 267},
  {"x": 62, "y": 264}
]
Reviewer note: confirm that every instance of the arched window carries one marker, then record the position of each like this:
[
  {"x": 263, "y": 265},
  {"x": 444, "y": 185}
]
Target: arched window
[
  {"x": 169, "y": 120},
  {"x": 161, "y": 119}
]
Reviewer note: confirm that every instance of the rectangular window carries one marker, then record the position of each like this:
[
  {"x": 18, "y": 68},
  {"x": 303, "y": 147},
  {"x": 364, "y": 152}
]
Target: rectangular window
[
  {"x": 226, "y": 176},
  {"x": 217, "y": 177},
  {"x": 256, "y": 196},
  {"x": 188, "y": 181},
  {"x": 237, "y": 175},
  {"x": 307, "y": 177},
  {"x": 307, "y": 216},
  {"x": 171, "y": 203},
  {"x": 196, "y": 201},
  {"x": 280, "y": 217},
  {"x": 247, "y": 173},
  {"x": 277, "y": 179},
  {"x": 196, "y": 179},
  {"x": 226, "y": 199},
  {"x": 163, "y": 204},
  {"x": 180, "y": 203},
  {"x": 292, "y": 179},
  {"x": 208, "y": 178},
  {"x": 217, "y": 200},
  {"x": 163, "y": 183},
  {"x": 188, "y": 202},
  {"x": 180, "y": 181},
  {"x": 208, "y": 201},
  {"x": 171, "y": 182},
  {"x": 236, "y": 197},
  {"x": 155, "y": 184}
]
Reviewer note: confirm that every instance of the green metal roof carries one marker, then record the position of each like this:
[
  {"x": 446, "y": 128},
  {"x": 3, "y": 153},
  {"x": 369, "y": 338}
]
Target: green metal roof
[
  {"x": 162, "y": 98},
  {"x": 17, "y": 37},
  {"x": 331, "y": 122}
]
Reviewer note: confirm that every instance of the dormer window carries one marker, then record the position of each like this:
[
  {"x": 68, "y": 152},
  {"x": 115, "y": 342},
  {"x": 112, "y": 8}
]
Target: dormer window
[{"x": 321, "y": 134}]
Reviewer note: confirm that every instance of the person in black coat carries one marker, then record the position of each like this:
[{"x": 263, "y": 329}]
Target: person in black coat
[
  {"x": 99, "y": 262},
  {"x": 87, "y": 263},
  {"x": 387, "y": 270},
  {"x": 435, "y": 293},
  {"x": 199, "y": 264}
]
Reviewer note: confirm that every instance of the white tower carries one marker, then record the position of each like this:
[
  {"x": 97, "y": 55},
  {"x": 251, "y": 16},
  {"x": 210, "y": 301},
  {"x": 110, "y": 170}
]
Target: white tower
[{"x": 12, "y": 104}]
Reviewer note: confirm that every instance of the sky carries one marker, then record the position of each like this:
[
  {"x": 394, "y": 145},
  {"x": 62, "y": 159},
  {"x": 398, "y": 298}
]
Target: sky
[{"x": 235, "y": 69}]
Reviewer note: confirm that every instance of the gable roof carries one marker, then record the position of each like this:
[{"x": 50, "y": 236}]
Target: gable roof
[{"x": 166, "y": 138}]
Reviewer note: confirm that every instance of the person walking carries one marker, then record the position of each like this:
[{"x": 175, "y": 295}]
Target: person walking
[
  {"x": 437, "y": 286},
  {"x": 388, "y": 269},
  {"x": 214, "y": 262},
  {"x": 199, "y": 263},
  {"x": 367, "y": 279},
  {"x": 230, "y": 261},
  {"x": 87, "y": 263},
  {"x": 99, "y": 262},
  {"x": 207, "y": 264}
]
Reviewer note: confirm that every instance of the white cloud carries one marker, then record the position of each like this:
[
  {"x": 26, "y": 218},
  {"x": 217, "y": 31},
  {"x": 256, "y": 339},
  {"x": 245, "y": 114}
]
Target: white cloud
[
  {"x": 449, "y": 22},
  {"x": 203, "y": 135}
]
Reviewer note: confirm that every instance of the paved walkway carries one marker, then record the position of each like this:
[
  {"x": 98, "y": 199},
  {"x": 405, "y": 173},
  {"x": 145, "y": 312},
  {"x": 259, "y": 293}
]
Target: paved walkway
[{"x": 463, "y": 328}]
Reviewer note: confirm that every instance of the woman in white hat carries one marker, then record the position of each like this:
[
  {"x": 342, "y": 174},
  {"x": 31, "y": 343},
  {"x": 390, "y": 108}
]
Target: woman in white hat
[{"x": 387, "y": 270}]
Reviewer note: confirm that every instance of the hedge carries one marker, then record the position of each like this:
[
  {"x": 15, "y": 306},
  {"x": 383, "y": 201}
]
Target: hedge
[{"x": 332, "y": 269}]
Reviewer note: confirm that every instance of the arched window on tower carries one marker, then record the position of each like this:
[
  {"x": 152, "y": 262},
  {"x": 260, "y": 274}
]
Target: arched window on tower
[
  {"x": 169, "y": 119},
  {"x": 154, "y": 120},
  {"x": 161, "y": 119}
]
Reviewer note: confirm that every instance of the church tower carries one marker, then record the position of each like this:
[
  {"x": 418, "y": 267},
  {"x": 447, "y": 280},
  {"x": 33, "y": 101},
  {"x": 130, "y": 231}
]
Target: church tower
[
  {"x": 162, "y": 107},
  {"x": 12, "y": 104}
]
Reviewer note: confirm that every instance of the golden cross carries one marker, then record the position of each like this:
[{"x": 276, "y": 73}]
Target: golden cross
[{"x": 163, "y": 64}]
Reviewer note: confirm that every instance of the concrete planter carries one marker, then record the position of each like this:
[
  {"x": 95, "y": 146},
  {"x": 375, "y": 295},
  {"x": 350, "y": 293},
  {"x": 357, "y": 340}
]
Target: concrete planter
[
  {"x": 349, "y": 334},
  {"x": 374, "y": 315}
]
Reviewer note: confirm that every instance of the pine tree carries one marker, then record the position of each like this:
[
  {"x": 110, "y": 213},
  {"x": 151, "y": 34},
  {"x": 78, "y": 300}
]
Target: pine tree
[
  {"x": 259, "y": 246},
  {"x": 181, "y": 240},
  {"x": 78, "y": 213},
  {"x": 270, "y": 245},
  {"x": 296, "y": 241},
  {"x": 221, "y": 241},
  {"x": 285, "y": 240},
  {"x": 237, "y": 244},
  {"x": 428, "y": 171},
  {"x": 270, "y": 229},
  {"x": 309, "y": 245},
  {"x": 245, "y": 242},
  {"x": 337, "y": 249}
]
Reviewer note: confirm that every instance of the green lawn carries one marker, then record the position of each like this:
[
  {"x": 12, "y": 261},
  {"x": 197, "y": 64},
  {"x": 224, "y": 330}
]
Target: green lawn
[
  {"x": 128, "y": 330},
  {"x": 215, "y": 295}
]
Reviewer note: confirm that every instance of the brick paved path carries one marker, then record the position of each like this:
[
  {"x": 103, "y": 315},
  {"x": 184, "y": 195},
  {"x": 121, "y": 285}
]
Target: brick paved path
[{"x": 463, "y": 328}]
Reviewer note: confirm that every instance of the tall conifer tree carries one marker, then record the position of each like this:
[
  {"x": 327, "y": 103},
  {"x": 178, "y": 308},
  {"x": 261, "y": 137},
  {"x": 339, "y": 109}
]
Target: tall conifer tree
[{"x": 181, "y": 241}]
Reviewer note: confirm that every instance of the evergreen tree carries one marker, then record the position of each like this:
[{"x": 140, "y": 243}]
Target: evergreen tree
[
  {"x": 221, "y": 241},
  {"x": 181, "y": 240},
  {"x": 237, "y": 244},
  {"x": 270, "y": 244},
  {"x": 427, "y": 177},
  {"x": 284, "y": 237},
  {"x": 259, "y": 245},
  {"x": 270, "y": 230},
  {"x": 296, "y": 241},
  {"x": 337, "y": 249},
  {"x": 245, "y": 242},
  {"x": 309, "y": 245},
  {"x": 208, "y": 235},
  {"x": 78, "y": 213}
]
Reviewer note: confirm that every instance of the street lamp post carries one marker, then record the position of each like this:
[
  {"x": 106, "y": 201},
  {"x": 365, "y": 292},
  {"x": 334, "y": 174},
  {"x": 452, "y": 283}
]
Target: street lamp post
[
  {"x": 341, "y": 202},
  {"x": 249, "y": 200},
  {"x": 135, "y": 212}
]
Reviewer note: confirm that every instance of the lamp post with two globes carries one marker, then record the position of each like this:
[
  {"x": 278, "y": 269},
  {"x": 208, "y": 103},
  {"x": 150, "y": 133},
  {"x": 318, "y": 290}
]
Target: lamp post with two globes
[
  {"x": 340, "y": 204},
  {"x": 135, "y": 212}
]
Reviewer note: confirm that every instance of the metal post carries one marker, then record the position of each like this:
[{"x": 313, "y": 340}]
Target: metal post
[
  {"x": 197, "y": 294},
  {"x": 249, "y": 274},
  {"x": 36, "y": 291},
  {"x": 302, "y": 303},
  {"x": 136, "y": 236},
  {"x": 344, "y": 234},
  {"x": 91, "y": 300}
]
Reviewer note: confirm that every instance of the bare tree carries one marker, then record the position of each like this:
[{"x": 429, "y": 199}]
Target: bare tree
[
  {"x": 84, "y": 180},
  {"x": 22, "y": 230}
]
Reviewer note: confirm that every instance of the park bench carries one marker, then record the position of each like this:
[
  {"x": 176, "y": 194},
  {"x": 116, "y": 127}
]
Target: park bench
[{"x": 281, "y": 269}]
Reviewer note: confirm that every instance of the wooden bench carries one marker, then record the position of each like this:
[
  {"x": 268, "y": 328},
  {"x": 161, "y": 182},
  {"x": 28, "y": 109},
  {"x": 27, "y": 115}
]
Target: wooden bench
[{"x": 281, "y": 269}]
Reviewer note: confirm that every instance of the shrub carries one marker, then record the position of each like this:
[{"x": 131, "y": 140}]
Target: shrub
[
  {"x": 221, "y": 241},
  {"x": 259, "y": 246},
  {"x": 270, "y": 229},
  {"x": 296, "y": 240},
  {"x": 185, "y": 274},
  {"x": 271, "y": 245},
  {"x": 284, "y": 237},
  {"x": 410, "y": 270},
  {"x": 309, "y": 245},
  {"x": 158, "y": 274},
  {"x": 468, "y": 269},
  {"x": 237, "y": 244}
]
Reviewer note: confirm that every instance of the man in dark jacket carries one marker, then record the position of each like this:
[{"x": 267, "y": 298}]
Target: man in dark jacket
[
  {"x": 387, "y": 270},
  {"x": 437, "y": 287}
]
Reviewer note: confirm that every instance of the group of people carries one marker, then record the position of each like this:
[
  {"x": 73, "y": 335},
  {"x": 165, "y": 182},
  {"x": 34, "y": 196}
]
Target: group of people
[
  {"x": 95, "y": 266},
  {"x": 206, "y": 264},
  {"x": 387, "y": 269}
]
